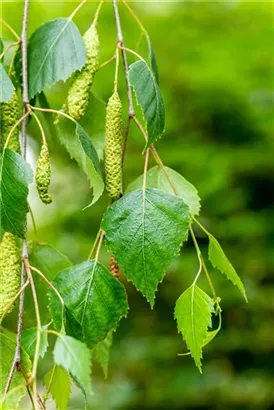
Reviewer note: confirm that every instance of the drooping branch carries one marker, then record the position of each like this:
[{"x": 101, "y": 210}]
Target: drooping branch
[
  {"x": 120, "y": 41},
  {"x": 17, "y": 354}
]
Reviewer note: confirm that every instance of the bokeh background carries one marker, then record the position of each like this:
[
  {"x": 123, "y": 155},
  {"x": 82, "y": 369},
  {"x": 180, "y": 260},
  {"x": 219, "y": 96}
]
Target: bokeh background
[{"x": 216, "y": 74}]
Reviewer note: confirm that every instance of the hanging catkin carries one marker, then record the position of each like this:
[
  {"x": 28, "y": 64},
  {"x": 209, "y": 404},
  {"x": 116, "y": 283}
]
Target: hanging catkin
[
  {"x": 10, "y": 267},
  {"x": 9, "y": 116},
  {"x": 42, "y": 176},
  {"x": 78, "y": 94},
  {"x": 113, "y": 146}
]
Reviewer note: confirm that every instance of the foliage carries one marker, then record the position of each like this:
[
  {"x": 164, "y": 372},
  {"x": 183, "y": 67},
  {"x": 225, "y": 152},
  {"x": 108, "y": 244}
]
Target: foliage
[{"x": 211, "y": 143}]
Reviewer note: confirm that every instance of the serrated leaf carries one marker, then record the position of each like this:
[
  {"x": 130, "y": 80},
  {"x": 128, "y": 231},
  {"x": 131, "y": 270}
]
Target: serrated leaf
[
  {"x": 149, "y": 98},
  {"x": 29, "y": 340},
  {"x": 193, "y": 314},
  {"x": 16, "y": 175},
  {"x": 219, "y": 260},
  {"x": 78, "y": 144},
  {"x": 56, "y": 49},
  {"x": 7, "y": 349},
  {"x": 145, "y": 230},
  {"x": 75, "y": 357},
  {"x": 152, "y": 59},
  {"x": 156, "y": 178},
  {"x": 101, "y": 352},
  {"x": 57, "y": 383},
  {"x": 95, "y": 299},
  {"x": 6, "y": 87}
]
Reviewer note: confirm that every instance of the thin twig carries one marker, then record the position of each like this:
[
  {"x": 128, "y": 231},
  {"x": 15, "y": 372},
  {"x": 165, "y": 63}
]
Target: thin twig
[
  {"x": 10, "y": 29},
  {"x": 50, "y": 110},
  {"x": 17, "y": 354},
  {"x": 116, "y": 71},
  {"x": 132, "y": 52},
  {"x": 40, "y": 127},
  {"x": 39, "y": 327},
  {"x": 107, "y": 62},
  {"x": 95, "y": 244},
  {"x": 97, "y": 12},
  {"x": 48, "y": 283},
  {"x": 120, "y": 42},
  {"x": 13, "y": 301},
  {"x": 7, "y": 48},
  {"x": 77, "y": 9},
  {"x": 135, "y": 17},
  {"x": 14, "y": 127}
]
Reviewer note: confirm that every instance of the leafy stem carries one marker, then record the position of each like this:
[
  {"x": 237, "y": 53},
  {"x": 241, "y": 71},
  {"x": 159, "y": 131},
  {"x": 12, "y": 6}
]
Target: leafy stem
[
  {"x": 10, "y": 29},
  {"x": 132, "y": 52},
  {"x": 77, "y": 9},
  {"x": 13, "y": 300},
  {"x": 97, "y": 12},
  {"x": 39, "y": 328},
  {"x": 8, "y": 47}
]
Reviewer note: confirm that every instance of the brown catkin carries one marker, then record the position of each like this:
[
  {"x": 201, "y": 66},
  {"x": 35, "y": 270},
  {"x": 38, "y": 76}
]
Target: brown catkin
[
  {"x": 42, "y": 176},
  {"x": 10, "y": 267},
  {"x": 9, "y": 116},
  {"x": 113, "y": 146},
  {"x": 114, "y": 268},
  {"x": 78, "y": 94}
]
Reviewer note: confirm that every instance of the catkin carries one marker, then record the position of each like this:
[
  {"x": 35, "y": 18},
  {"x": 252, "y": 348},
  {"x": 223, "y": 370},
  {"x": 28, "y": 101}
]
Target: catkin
[
  {"x": 10, "y": 266},
  {"x": 78, "y": 94},
  {"x": 42, "y": 176},
  {"x": 9, "y": 116},
  {"x": 113, "y": 146}
]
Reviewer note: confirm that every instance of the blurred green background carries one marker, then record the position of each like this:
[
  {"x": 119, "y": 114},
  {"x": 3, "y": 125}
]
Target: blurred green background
[{"x": 216, "y": 74}]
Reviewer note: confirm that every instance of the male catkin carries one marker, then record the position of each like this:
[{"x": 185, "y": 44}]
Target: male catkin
[
  {"x": 113, "y": 147},
  {"x": 78, "y": 94},
  {"x": 42, "y": 176},
  {"x": 10, "y": 266},
  {"x": 9, "y": 116}
]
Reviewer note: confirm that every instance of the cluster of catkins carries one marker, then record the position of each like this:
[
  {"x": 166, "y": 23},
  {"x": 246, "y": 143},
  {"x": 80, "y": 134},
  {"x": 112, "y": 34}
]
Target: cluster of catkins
[
  {"x": 10, "y": 261},
  {"x": 77, "y": 101}
]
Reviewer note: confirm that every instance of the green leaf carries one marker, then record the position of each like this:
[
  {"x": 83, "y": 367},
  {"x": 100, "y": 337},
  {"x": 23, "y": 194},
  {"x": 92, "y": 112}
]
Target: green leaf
[
  {"x": 75, "y": 357},
  {"x": 145, "y": 230},
  {"x": 57, "y": 383},
  {"x": 78, "y": 144},
  {"x": 93, "y": 297},
  {"x": 6, "y": 87},
  {"x": 156, "y": 178},
  {"x": 152, "y": 59},
  {"x": 193, "y": 314},
  {"x": 56, "y": 49},
  {"x": 101, "y": 351},
  {"x": 149, "y": 98},
  {"x": 219, "y": 260},
  {"x": 7, "y": 349},
  {"x": 93, "y": 122},
  {"x": 29, "y": 339},
  {"x": 16, "y": 174}
]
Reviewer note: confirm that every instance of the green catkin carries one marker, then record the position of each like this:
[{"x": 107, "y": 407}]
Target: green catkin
[
  {"x": 42, "y": 176},
  {"x": 9, "y": 116},
  {"x": 78, "y": 94},
  {"x": 113, "y": 147},
  {"x": 10, "y": 267}
]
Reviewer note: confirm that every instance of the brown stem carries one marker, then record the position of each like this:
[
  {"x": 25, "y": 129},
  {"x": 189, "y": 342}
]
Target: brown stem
[{"x": 17, "y": 354}]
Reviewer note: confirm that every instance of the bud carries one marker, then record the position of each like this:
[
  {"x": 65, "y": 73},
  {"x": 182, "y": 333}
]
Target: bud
[
  {"x": 10, "y": 265},
  {"x": 9, "y": 116},
  {"x": 42, "y": 176},
  {"x": 78, "y": 94},
  {"x": 113, "y": 148}
]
